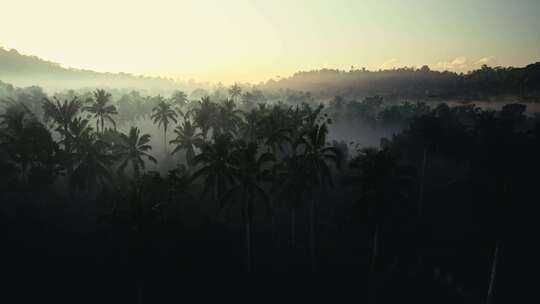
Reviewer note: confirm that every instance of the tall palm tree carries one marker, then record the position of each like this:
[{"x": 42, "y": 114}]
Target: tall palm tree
[
  {"x": 204, "y": 115},
  {"x": 62, "y": 114},
  {"x": 93, "y": 160},
  {"x": 315, "y": 160},
  {"x": 218, "y": 163},
  {"x": 249, "y": 127},
  {"x": 26, "y": 141},
  {"x": 235, "y": 90},
  {"x": 187, "y": 139},
  {"x": 101, "y": 109},
  {"x": 163, "y": 115},
  {"x": 179, "y": 98},
  {"x": 249, "y": 172},
  {"x": 227, "y": 118},
  {"x": 133, "y": 148},
  {"x": 375, "y": 170},
  {"x": 379, "y": 178}
]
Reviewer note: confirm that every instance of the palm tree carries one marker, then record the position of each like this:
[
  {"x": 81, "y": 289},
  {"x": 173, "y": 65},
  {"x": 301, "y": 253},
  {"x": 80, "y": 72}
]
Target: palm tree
[
  {"x": 204, "y": 115},
  {"x": 93, "y": 158},
  {"x": 227, "y": 119},
  {"x": 133, "y": 149},
  {"x": 315, "y": 159},
  {"x": 179, "y": 98},
  {"x": 248, "y": 172},
  {"x": 101, "y": 109},
  {"x": 235, "y": 90},
  {"x": 26, "y": 141},
  {"x": 187, "y": 139},
  {"x": 249, "y": 128},
  {"x": 162, "y": 114},
  {"x": 375, "y": 169},
  {"x": 218, "y": 164},
  {"x": 379, "y": 178},
  {"x": 62, "y": 114}
]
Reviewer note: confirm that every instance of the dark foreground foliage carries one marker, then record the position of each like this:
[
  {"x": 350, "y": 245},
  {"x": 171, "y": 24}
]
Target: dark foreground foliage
[{"x": 253, "y": 201}]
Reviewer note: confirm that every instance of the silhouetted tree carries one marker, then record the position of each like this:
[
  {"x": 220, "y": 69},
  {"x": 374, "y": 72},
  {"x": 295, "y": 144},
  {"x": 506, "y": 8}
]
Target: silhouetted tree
[
  {"x": 101, "y": 109},
  {"x": 133, "y": 149},
  {"x": 235, "y": 91},
  {"x": 187, "y": 139},
  {"x": 163, "y": 115}
]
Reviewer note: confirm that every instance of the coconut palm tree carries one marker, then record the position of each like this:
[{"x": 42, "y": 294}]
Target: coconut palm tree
[
  {"x": 179, "y": 98},
  {"x": 133, "y": 148},
  {"x": 227, "y": 118},
  {"x": 249, "y": 172},
  {"x": 26, "y": 141},
  {"x": 204, "y": 115},
  {"x": 187, "y": 139},
  {"x": 93, "y": 160},
  {"x": 249, "y": 126},
  {"x": 62, "y": 114},
  {"x": 315, "y": 160},
  {"x": 235, "y": 90},
  {"x": 218, "y": 161},
  {"x": 163, "y": 115},
  {"x": 101, "y": 109},
  {"x": 379, "y": 178}
]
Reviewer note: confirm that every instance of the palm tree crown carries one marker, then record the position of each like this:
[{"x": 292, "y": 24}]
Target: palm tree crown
[
  {"x": 133, "y": 148},
  {"x": 187, "y": 139},
  {"x": 235, "y": 90},
  {"x": 101, "y": 109},
  {"x": 162, "y": 115}
]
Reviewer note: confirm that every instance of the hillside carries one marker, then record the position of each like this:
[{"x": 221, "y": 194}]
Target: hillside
[
  {"x": 417, "y": 84},
  {"x": 23, "y": 70}
]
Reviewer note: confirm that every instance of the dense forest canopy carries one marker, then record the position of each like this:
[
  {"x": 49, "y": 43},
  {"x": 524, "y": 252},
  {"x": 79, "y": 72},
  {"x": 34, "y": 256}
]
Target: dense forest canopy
[{"x": 407, "y": 195}]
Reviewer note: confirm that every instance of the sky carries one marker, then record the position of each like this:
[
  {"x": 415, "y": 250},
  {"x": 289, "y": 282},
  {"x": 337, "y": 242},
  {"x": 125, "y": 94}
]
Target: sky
[{"x": 253, "y": 41}]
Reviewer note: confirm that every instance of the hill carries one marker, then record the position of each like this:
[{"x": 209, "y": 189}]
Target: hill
[
  {"x": 416, "y": 84},
  {"x": 23, "y": 70}
]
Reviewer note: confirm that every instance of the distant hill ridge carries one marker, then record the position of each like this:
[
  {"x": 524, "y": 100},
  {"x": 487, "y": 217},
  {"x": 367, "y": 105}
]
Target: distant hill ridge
[
  {"x": 25, "y": 70},
  {"x": 412, "y": 83},
  {"x": 519, "y": 83}
]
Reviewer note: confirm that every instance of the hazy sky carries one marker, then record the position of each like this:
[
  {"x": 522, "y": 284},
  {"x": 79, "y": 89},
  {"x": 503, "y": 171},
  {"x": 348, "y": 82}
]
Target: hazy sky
[{"x": 255, "y": 40}]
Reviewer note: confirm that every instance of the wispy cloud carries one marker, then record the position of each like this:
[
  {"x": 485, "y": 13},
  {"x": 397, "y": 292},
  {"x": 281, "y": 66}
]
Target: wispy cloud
[
  {"x": 388, "y": 64},
  {"x": 457, "y": 64},
  {"x": 463, "y": 64},
  {"x": 486, "y": 60}
]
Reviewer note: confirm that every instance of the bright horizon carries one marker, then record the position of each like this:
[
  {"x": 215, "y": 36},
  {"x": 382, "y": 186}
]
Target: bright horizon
[{"x": 253, "y": 41}]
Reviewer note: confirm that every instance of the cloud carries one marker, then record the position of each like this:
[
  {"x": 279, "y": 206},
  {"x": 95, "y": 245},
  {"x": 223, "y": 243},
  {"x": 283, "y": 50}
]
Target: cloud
[
  {"x": 485, "y": 60},
  {"x": 463, "y": 64},
  {"x": 389, "y": 64},
  {"x": 457, "y": 64}
]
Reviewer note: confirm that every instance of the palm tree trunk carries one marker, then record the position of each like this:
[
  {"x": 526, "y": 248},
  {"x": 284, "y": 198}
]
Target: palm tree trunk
[
  {"x": 422, "y": 178},
  {"x": 375, "y": 249},
  {"x": 248, "y": 243},
  {"x": 312, "y": 235},
  {"x": 489, "y": 299},
  {"x": 293, "y": 228},
  {"x": 274, "y": 240},
  {"x": 372, "y": 266},
  {"x": 165, "y": 141},
  {"x": 139, "y": 291}
]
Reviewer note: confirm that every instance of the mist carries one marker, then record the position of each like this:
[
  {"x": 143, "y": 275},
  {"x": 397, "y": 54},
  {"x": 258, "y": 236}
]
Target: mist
[{"x": 373, "y": 151}]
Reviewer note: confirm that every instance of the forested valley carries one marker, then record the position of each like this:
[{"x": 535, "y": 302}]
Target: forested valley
[{"x": 138, "y": 193}]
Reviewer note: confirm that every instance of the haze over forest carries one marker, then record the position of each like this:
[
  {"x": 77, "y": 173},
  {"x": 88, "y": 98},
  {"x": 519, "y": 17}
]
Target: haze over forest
[{"x": 381, "y": 151}]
